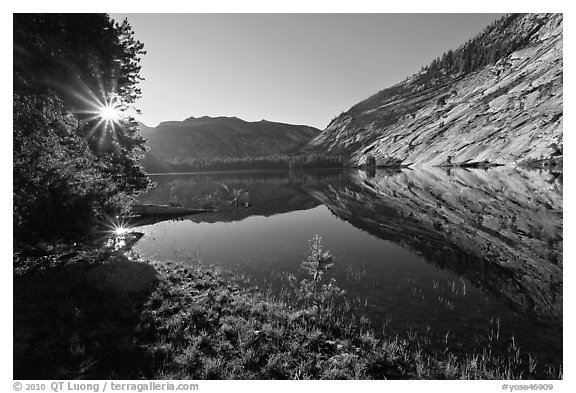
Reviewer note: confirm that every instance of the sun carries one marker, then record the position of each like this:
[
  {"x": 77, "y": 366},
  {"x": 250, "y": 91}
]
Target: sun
[
  {"x": 109, "y": 113},
  {"x": 120, "y": 230}
]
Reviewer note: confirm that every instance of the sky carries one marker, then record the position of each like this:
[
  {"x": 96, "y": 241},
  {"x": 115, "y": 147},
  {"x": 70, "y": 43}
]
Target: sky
[{"x": 290, "y": 68}]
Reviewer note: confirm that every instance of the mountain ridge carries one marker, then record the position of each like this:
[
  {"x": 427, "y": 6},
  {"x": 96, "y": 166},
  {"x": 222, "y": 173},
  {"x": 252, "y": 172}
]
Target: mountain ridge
[{"x": 209, "y": 138}]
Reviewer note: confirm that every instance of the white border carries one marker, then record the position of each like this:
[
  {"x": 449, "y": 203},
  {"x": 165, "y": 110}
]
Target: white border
[{"x": 339, "y": 6}]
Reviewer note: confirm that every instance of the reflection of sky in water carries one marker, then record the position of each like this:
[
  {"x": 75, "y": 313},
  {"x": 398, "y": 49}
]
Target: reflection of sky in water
[
  {"x": 283, "y": 237},
  {"x": 399, "y": 286}
]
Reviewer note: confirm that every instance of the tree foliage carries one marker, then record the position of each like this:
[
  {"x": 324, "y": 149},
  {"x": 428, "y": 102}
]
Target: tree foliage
[
  {"x": 70, "y": 165},
  {"x": 277, "y": 161}
]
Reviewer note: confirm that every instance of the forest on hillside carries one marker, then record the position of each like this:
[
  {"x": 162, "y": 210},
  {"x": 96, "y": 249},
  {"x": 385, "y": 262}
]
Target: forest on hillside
[{"x": 276, "y": 161}]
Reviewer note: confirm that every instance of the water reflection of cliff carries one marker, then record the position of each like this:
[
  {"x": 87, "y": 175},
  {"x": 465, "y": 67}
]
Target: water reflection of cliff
[{"x": 500, "y": 228}]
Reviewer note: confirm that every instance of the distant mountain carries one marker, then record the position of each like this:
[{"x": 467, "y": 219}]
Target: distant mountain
[
  {"x": 497, "y": 98},
  {"x": 210, "y": 138}
]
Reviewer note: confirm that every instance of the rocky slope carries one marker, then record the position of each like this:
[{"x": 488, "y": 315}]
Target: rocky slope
[
  {"x": 506, "y": 111},
  {"x": 220, "y": 138},
  {"x": 501, "y": 228}
]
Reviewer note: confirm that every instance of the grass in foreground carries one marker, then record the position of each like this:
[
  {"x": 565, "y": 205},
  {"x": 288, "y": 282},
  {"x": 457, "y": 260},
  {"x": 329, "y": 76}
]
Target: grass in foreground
[{"x": 102, "y": 316}]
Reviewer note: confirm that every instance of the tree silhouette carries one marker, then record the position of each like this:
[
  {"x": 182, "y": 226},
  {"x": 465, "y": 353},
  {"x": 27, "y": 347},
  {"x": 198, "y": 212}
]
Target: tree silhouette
[{"x": 71, "y": 164}]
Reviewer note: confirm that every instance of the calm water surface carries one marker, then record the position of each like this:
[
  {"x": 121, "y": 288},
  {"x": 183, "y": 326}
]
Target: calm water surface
[{"x": 446, "y": 252}]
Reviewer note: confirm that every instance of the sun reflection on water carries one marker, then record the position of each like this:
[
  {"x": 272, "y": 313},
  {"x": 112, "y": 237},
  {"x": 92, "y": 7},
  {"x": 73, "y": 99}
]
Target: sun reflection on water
[{"x": 118, "y": 233}]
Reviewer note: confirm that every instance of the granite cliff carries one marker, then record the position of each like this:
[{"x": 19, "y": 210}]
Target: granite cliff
[{"x": 498, "y": 98}]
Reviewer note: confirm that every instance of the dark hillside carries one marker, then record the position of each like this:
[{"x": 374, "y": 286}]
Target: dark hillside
[{"x": 176, "y": 143}]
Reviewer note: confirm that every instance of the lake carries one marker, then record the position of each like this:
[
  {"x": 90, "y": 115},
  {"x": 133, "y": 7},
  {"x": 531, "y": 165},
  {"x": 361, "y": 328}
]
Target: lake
[{"x": 461, "y": 255}]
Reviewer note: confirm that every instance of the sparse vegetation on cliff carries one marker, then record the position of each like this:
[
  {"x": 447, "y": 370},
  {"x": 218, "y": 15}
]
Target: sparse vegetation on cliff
[{"x": 495, "y": 42}]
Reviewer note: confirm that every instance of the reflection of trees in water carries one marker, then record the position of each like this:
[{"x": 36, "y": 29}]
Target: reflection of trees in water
[{"x": 262, "y": 193}]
